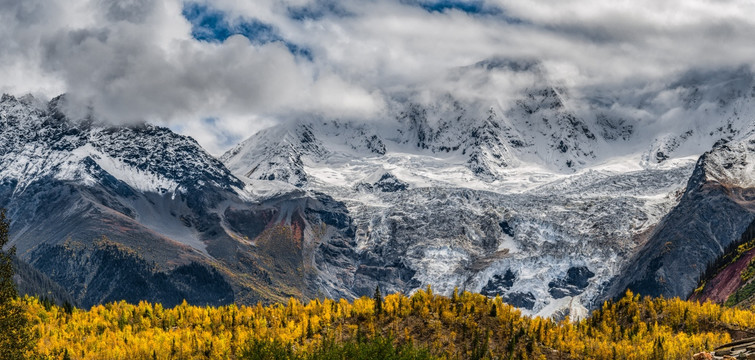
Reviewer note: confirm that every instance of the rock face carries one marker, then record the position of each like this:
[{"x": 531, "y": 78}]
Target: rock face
[
  {"x": 741, "y": 349},
  {"x": 386, "y": 183},
  {"x": 576, "y": 280},
  {"x": 717, "y": 207}
]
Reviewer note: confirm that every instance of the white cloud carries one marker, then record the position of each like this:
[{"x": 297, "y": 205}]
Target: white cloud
[{"x": 135, "y": 59}]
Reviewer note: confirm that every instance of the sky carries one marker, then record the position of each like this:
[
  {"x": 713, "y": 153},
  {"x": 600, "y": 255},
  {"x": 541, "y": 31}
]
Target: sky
[{"x": 221, "y": 70}]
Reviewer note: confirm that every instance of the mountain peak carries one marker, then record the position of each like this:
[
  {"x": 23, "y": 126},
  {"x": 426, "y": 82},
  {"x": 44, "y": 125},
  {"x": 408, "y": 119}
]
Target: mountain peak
[{"x": 46, "y": 136}]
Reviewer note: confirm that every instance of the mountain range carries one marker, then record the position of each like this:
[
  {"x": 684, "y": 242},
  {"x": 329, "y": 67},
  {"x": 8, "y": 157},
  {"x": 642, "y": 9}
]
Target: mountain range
[{"x": 551, "y": 198}]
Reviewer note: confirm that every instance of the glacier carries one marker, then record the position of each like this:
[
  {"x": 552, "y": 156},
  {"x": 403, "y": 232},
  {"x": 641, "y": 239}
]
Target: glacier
[{"x": 543, "y": 199}]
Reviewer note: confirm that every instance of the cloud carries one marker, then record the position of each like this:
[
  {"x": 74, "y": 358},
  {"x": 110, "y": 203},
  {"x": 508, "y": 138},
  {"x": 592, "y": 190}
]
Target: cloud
[
  {"x": 246, "y": 65},
  {"x": 143, "y": 60},
  {"x": 135, "y": 11}
]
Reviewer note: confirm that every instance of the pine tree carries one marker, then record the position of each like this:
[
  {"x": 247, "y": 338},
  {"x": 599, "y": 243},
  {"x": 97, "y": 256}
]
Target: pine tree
[
  {"x": 15, "y": 335},
  {"x": 378, "y": 301},
  {"x": 7, "y": 288}
]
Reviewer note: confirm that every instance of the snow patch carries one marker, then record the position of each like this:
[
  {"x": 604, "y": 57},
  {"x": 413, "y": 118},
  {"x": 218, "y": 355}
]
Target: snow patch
[{"x": 137, "y": 179}]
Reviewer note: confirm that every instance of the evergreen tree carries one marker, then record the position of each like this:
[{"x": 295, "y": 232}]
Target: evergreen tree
[
  {"x": 7, "y": 288},
  {"x": 378, "y": 301},
  {"x": 15, "y": 337}
]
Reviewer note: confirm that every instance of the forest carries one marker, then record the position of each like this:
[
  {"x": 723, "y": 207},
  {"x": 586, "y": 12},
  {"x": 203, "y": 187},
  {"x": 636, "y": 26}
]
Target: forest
[{"x": 421, "y": 326}]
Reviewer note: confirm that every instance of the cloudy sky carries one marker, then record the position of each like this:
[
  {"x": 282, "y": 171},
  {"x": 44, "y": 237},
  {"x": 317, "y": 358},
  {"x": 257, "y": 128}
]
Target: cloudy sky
[{"x": 221, "y": 70}]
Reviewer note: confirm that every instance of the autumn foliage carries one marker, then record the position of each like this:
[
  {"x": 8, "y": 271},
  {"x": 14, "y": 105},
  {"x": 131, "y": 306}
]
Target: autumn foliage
[
  {"x": 465, "y": 326},
  {"x": 15, "y": 338}
]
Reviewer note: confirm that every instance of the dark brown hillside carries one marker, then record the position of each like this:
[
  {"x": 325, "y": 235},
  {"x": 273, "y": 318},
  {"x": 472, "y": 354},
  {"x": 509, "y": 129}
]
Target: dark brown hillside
[{"x": 729, "y": 279}]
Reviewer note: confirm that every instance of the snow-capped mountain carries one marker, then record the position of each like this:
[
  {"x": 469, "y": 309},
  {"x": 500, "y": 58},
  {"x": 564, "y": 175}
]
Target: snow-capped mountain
[
  {"x": 126, "y": 162},
  {"x": 176, "y": 223},
  {"x": 537, "y": 127},
  {"x": 552, "y": 198},
  {"x": 541, "y": 197}
]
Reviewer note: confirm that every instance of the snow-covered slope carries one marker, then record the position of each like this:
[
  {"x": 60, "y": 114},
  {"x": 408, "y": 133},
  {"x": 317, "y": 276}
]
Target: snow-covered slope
[
  {"x": 539, "y": 196},
  {"x": 178, "y": 225},
  {"x": 39, "y": 142},
  {"x": 129, "y": 162}
]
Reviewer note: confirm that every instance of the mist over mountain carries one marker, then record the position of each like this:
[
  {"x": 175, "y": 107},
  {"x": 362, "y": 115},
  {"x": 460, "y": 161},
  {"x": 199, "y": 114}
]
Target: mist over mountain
[
  {"x": 553, "y": 201},
  {"x": 542, "y": 199},
  {"x": 221, "y": 70}
]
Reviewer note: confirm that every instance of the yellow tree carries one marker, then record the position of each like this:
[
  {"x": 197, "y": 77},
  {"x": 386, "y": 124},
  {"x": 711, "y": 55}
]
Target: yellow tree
[{"x": 15, "y": 337}]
